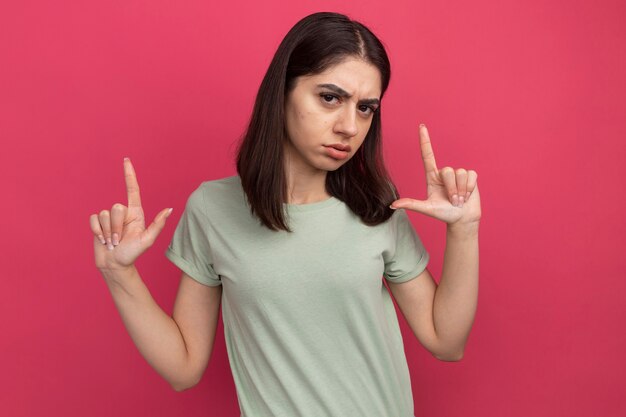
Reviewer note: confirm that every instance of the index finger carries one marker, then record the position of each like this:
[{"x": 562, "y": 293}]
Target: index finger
[
  {"x": 132, "y": 186},
  {"x": 427, "y": 150}
]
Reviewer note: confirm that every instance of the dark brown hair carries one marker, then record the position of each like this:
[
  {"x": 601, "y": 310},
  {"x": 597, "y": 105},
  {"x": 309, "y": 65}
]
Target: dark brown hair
[{"x": 314, "y": 44}]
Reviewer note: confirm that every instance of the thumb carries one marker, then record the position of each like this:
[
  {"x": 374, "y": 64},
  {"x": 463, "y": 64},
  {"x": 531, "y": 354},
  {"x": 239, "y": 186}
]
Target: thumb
[
  {"x": 420, "y": 206},
  {"x": 157, "y": 225}
]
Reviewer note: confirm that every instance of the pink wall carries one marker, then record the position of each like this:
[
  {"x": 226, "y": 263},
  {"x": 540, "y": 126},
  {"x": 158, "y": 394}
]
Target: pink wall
[{"x": 530, "y": 94}]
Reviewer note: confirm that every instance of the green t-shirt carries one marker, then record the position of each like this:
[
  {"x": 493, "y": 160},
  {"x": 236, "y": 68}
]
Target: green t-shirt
[{"x": 310, "y": 328}]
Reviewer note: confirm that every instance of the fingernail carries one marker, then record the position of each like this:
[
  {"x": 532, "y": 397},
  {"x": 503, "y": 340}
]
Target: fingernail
[
  {"x": 109, "y": 244},
  {"x": 462, "y": 200},
  {"x": 102, "y": 239},
  {"x": 455, "y": 200},
  {"x": 169, "y": 212},
  {"x": 392, "y": 207},
  {"x": 116, "y": 239},
  {"x": 421, "y": 124}
]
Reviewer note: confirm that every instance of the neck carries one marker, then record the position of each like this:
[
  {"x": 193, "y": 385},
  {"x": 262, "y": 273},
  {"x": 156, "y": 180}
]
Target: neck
[{"x": 305, "y": 184}]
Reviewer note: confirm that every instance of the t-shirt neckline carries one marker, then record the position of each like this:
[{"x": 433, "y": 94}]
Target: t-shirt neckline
[
  {"x": 294, "y": 208},
  {"x": 312, "y": 206}
]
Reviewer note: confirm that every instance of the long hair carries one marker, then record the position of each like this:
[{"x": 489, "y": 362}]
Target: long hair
[{"x": 314, "y": 44}]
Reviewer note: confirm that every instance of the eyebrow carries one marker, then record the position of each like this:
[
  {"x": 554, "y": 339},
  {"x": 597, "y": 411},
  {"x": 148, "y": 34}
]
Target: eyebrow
[{"x": 343, "y": 93}]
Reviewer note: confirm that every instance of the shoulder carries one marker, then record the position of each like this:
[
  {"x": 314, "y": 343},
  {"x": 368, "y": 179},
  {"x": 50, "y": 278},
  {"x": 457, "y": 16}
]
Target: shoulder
[
  {"x": 218, "y": 196},
  {"x": 397, "y": 218},
  {"x": 399, "y": 215},
  {"x": 399, "y": 223},
  {"x": 219, "y": 188},
  {"x": 221, "y": 185}
]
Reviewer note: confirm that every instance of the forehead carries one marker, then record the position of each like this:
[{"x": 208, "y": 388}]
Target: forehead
[{"x": 356, "y": 76}]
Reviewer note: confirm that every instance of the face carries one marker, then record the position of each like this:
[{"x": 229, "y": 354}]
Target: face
[{"x": 336, "y": 108}]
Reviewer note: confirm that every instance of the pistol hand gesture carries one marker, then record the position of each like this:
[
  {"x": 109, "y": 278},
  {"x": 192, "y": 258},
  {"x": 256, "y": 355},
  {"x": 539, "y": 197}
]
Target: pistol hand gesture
[{"x": 120, "y": 235}]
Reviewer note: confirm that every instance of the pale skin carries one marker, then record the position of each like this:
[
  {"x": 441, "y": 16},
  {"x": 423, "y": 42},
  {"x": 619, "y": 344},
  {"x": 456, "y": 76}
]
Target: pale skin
[
  {"x": 316, "y": 115},
  {"x": 179, "y": 347},
  {"x": 441, "y": 317}
]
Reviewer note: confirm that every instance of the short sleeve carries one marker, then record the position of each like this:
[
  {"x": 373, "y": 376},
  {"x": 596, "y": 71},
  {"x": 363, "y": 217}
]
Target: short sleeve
[
  {"x": 189, "y": 248},
  {"x": 407, "y": 257}
]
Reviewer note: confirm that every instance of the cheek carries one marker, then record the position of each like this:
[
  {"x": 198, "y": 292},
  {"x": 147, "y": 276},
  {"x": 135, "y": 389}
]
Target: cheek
[
  {"x": 365, "y": 127},
  {"x": 294, "y": 122},
  {"x": 312, "y": 125},
  {"x": 301, "y": 126}
]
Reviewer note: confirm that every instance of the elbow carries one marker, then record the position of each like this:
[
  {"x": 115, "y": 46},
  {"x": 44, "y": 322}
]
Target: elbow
[
  {"x": 449, "y": 352},
  {"x": 455, "y": 357},
  {"x": 180, "y": 387}
]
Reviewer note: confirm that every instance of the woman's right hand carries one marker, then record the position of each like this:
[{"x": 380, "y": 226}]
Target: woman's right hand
[{"x": 120, "y": 235}]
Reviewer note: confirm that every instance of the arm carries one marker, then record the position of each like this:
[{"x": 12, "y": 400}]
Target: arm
[
  {"x": 441, "y": 316},
  {"x": 456, "y": 297},
  {"x": 196, "y": 311},
  {"x": 177, "y": 348}
]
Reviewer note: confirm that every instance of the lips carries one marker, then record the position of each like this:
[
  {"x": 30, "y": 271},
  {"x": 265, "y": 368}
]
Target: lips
[{"x": 340, "y": 147}]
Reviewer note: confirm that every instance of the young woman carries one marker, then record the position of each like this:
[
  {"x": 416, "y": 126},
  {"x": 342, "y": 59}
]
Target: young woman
[{"x": 295, "y": 247}]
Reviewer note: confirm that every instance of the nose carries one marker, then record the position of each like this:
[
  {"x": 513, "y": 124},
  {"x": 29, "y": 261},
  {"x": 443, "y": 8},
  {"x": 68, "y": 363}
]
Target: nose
[{"x": 346, "y": 123}]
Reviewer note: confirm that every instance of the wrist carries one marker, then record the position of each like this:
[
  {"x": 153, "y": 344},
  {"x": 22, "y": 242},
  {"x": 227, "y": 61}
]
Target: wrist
[
  {"x": 469, "y": 229},
  {"x": 118, "y": 274}
]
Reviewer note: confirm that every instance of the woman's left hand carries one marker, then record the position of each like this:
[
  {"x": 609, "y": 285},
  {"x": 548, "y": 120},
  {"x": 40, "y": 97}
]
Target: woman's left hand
[{"x": 452, "y": 193}]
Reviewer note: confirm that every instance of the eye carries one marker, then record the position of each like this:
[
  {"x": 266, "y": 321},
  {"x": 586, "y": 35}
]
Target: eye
[
  {"x": 328, "y": 97},
  {"x": 368, "y": 110},
  {"x": 365, "y": 109}
]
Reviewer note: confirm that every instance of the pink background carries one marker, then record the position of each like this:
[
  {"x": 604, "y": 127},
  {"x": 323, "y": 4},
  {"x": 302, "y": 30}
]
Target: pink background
[{"x": 530, "y": 94}]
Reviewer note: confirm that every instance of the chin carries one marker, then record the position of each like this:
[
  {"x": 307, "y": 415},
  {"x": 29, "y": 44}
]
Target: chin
[{"x": 337, "y": 165}]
